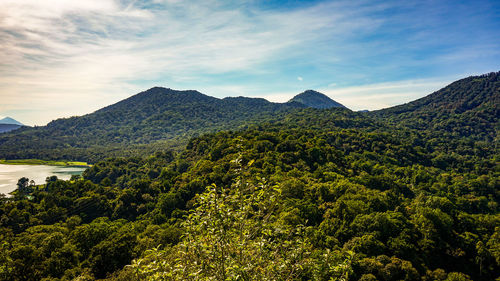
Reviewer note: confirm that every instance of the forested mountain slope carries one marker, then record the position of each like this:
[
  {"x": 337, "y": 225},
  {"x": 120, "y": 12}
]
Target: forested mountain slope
[
  {"x": 140, "y": 124},
  {"x": 469, "y": 107},
  {"x": 317, "y": 195},
  {"x": 160, "y": 117}
]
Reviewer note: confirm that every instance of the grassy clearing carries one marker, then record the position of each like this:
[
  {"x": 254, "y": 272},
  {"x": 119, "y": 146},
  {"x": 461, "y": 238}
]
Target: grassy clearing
[{"x": 43, "y": 162}]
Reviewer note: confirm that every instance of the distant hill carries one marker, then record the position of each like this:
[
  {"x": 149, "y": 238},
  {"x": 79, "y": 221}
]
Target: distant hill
[
  {"x": 8, "y": 127},
  {"x": 8, "y": 120},
  {"x": 406, "y": 193},
  {"x": 159, "y": 116},
  {"x": 315, "y": 99},
  {"x": 469, "y": 107},
  {"x": 8, "y": 124}
]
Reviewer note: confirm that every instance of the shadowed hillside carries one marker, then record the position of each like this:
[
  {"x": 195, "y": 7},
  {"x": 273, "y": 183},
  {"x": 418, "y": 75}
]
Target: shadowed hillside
[
  {"x": 144, "y": 123},
  {"x": 467, "y": 107},
  {"x": 161, "y": 118}
]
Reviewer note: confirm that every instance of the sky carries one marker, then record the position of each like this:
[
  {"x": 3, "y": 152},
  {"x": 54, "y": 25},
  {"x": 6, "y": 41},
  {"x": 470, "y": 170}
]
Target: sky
[{"x": 62, "y": 58}]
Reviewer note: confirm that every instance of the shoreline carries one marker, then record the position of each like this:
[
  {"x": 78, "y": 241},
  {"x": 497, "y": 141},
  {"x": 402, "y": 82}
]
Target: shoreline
[{"x": 44, "y": 162}]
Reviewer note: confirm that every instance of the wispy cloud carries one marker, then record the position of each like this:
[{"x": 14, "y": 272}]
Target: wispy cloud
[
  {"x": 61, "y": 58},
  {"x": 71, "y": 57}
]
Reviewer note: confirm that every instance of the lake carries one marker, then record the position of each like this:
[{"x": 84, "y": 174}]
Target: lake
[{"x": 10, "y": 174}]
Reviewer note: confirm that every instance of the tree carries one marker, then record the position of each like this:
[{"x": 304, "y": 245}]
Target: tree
[
  {"x": 238, "y": 234},
  {"x": 22, "y": 187}
]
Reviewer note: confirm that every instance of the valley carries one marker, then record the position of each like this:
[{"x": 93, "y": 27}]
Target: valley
[{"x": 184, "y": 186}]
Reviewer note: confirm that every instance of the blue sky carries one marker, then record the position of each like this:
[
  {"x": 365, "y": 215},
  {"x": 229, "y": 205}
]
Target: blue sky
[{"x": 61, "y": 58}]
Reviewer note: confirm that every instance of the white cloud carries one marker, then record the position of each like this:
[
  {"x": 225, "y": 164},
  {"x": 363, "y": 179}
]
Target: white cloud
[
  {"x": 300, "y": 78},
  {"x": 73, "y": 57}
]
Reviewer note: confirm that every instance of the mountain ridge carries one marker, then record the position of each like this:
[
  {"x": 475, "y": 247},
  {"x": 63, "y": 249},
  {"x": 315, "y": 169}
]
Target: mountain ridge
[
  {"x": 466, "y": 107},
  {"x": 329, "y": 188},
  {"x": 155, "y": 115},
  {"x": 161, "y": 118}
]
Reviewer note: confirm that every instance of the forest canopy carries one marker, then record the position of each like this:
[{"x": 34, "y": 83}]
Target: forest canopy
[{"x": 316, "y": 194}]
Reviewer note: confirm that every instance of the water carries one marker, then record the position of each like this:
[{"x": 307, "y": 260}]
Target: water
[{"x": 10, "y": 174}]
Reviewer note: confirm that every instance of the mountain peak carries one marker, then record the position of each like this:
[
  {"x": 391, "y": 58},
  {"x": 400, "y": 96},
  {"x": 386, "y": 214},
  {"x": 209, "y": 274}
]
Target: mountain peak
[
  {"x": 169, "y": 90},
  {"x": 8, "y": 120},
  {"x": 311, "y": 98}
]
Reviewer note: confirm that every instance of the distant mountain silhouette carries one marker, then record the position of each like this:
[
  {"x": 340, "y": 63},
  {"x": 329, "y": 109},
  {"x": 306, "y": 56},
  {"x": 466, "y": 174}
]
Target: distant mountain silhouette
[
  {"x": 8, "y": 127},
  {"x": 8, "y": 124},
  {"x": 8, "y": 120},
  {"x": 315, "y": 99}
]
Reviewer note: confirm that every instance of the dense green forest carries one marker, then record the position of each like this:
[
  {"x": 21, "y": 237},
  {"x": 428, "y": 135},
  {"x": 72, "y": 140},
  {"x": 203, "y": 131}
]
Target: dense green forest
[
  {"x": 146, "y": 123},
  {"x": 467, "y": 108},
  {"x": 158, "y": 118},
  {"x": 309, "y": 194},
  {"x": 142, "y": 124}
]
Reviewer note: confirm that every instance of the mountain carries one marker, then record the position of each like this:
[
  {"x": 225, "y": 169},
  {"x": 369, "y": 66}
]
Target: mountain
[
  {"x": 469, "y": 107},
  {"x": 315, "y": 99},
  {"x": 313, "y": 194},
  {"x": 160, "y": 118},
  {"x": 151, "y": 120},
  {"x": 8, "y": 124},
  {"x": 406, "y": 193},
  {"x": 8, "y": 120},
  {"x": 8, "y": 127}
]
